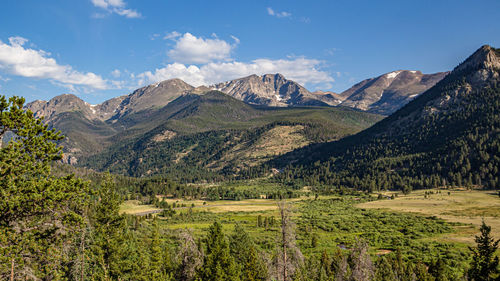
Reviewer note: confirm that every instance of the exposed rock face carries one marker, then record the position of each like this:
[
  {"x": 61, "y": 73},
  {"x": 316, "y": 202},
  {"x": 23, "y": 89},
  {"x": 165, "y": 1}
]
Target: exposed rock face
[
  {"x": 150, "y": 97},
  {"x": 270, "y": 90},
  {"x": 61, "y": 104},
  {"x": 389, "y": 92},
  {"x": 108, "y": 108},
  {"x": 384, "y": 94},
  {"x": 482, "y": 67},
  {"x": 485, "y": 57},
  {"x": 328, "y": 97},
  {"x": 153, "y": 96}
]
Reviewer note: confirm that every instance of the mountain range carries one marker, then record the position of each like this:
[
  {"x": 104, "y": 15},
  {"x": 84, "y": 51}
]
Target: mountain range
[
  {"x": 382, "y": 95},
  {"x": 389, "y": 92},
  {"x": 449, "y": 135},
  {"x": 223, "y": 128}
]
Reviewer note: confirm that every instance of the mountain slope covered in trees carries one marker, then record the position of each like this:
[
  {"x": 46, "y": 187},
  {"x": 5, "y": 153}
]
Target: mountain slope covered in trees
[
  {"x": 450, "y": 135},
  {"x": 207, "y": 136}
]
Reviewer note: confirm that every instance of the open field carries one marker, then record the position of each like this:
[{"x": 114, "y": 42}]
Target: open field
[
  {"x": 133, "y": 207},
  {"x": 222, "y": 206},
  {"x": 457, "y": 205},
  {"x": 422, "y": 226}
]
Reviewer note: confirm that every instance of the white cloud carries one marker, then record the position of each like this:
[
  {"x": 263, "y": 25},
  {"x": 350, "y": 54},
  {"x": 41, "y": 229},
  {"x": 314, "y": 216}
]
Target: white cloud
[
  {"x": 116, "y": 73},
  {"x": 172, "y": 35},
  {"x": 191, "y": 49},
  {"x": 17, "y": 60},
  {"x": 17, "y": 40},
  {"x": 302, "y": 70},
  {"x": 236, "y": 39},
  {"x": 283, "y": 14},
  {"x": 117, "y": 7}
]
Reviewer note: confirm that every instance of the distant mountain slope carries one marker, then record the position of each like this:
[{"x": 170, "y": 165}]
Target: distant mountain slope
[
  {"x": 212, "y": 135},
  {"x": 127, "y": 117},
  {"x": 61, "y": 104},
  {"x": 271, "y": 90},
  {"x": 389, "y": 92},
  {"x": 81, "y": 123},
  {"x": 152, "y": 97},
  {"x": 449, "y": 135}
]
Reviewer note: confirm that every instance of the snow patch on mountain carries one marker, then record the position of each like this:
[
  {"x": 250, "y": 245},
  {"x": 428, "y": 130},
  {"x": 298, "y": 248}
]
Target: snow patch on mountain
[{"x": 393, "y": 74}]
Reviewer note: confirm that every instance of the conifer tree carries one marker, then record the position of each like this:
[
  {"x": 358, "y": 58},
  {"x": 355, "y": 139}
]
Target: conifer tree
[
  {"x": 484, "y": 266},
  {"x": 384, "y": 270},
  {"x": 158, "y": 256},
  {"x": 438, "y": 269},
  {"x": 108, "y": 231},
  {"x": 246, "y": 255},
  {"x": 218, "y": 264},
  {"x": 39, "y": 213}
]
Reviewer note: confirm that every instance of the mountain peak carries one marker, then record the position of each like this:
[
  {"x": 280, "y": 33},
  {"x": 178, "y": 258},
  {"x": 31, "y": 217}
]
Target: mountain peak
[
  {"x": 276, "y": 76},
  {"x": 484, "y": 57},
  {"x": 388, "y": 92},
  {"x": 271, "y": 90}
]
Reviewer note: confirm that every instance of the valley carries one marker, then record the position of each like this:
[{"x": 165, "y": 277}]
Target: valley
[
  {"x": 440, "y": 223},
  {"x": 173, "y": 177}
]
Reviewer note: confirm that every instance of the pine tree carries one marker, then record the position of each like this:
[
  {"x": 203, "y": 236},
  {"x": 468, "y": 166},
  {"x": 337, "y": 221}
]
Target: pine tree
[
  {"x": 246, "y": 255},
  {"x": 484, "y": 264},
  {"x": 40, "y": 214},
  {"x": 218, "y": 264},
  {"x": 159, "y": 262},
  {"x": 108, "y": 232},
  {"x": 253, "y": 268},
  {"x": 438, "y": 269},
  {"x": 384, "y": 270}
]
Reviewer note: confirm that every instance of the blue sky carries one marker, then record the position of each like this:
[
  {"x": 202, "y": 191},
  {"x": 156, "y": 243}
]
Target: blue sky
[{"x": 99, "y": 49}]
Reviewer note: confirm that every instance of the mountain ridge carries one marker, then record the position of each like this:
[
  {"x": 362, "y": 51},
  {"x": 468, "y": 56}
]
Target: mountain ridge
[
  {"x": 449, "y": 135},
  {"x": 267, "y": 90},
  {"x": 388, "y": 92}
]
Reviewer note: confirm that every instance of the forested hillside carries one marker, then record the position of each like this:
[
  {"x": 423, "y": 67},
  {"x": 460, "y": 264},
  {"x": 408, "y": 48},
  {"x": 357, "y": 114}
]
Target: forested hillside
[
  {"x": 448, "y": 136},
  {"x": 213, "y": 136}
]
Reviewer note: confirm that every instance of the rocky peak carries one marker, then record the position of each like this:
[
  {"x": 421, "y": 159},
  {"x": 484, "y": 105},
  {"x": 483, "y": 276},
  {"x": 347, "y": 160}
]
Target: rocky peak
[
  {"x": 60, "y": 104},
  {"x": 152, "y": 96},
  {"x": 276, "y": 79},
  {"x": 485, "y": 57},
  {"x": 269, "y": 89},
  {"x": 390, "y": 91}
]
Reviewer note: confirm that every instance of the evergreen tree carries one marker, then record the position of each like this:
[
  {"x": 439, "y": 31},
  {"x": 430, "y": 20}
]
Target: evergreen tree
[
  {"x": 384, "y": 270},
  {"x": 246, "y": 255},
  {"x": 438, "y": 270},
  {"x": 253, "y": 268},
  {"x": 218, "y": 264},
  {"x": 484, "y": 264},
  {"x": 40, "y": 214},
  {"x": 108, "y": 232},
  {"x": 158, "y": 256}
]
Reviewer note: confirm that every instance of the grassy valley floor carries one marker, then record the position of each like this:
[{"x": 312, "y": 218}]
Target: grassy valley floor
[{"x": 424, "y": 227}]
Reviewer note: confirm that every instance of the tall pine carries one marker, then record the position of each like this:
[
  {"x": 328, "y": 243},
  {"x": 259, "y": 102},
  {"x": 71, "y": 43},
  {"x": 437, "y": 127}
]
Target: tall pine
[
  {"x": 484, "y": 266},
  {"x": 40, "y": 214},
  {"x": 218, "y": 265}
]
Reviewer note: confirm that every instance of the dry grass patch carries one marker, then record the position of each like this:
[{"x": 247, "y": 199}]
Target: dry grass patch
[
  {"x": 276, "y": 141},
  {"x": 463, "y": 206},
  {"x": 242, "y": 208},
  {"x": 132, "y": 207}
]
